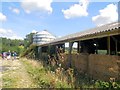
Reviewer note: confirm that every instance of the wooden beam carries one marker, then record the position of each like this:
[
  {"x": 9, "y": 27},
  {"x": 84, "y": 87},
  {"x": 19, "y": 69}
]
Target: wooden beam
[
  {"x": 116, "y": 47},
  {"x": 69, "y": 56},
  {"x": 63, "y": 47},
  {"x": 82, "y": 38},
  {"x": 39, "y": 52},
  {"x": 78, "y": 47},
  {"x": 108, "y": 45},
  {"x": 70, "y": 47}
]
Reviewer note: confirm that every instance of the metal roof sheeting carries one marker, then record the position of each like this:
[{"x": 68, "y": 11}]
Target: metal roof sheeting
[{"x": 94, "y": 31}]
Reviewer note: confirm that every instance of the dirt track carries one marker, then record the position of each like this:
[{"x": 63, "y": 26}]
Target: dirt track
[{"x": 13, "y": 75}]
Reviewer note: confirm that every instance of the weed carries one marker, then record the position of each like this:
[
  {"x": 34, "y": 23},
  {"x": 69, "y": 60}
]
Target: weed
[
  {"x": 9, "y": 82},
  {"x": 47, "y": 77},
  {"x": 42, "y": 76}
]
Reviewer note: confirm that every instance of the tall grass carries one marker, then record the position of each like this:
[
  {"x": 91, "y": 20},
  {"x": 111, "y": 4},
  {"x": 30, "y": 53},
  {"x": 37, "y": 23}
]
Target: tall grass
[
  {"x": 43, "y": 77},
  {"x": 53, "y": 76}
]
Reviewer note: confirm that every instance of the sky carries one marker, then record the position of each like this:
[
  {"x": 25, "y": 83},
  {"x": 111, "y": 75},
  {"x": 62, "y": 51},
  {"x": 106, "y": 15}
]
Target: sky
[{"x": 60, "y": 17}]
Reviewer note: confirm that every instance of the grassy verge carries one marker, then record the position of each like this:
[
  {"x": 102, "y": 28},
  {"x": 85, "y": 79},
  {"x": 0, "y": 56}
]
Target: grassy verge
[
  {"x": 9, "y": 82},
  {"x": 14, "y": 75},
  {"x": 42, "y": 77}
]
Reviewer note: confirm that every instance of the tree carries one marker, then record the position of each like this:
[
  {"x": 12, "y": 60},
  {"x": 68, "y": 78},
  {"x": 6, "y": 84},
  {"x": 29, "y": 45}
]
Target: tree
[
  {"x": 28, "y": 40},
  {"x": 8, "y": 44}
]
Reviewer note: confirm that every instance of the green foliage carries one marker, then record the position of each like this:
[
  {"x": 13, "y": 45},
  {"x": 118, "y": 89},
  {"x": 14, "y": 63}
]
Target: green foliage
[
  {"x": 8, "y": 82},
  {"x": 12, "y": 45},
  {"x": 29, "y": 49},
  {"x": 103, "y": 84},
  {"x": 42, "y": 77},
  {"x": 28, "y": 40},
  {"x": 29, "y": 52}
]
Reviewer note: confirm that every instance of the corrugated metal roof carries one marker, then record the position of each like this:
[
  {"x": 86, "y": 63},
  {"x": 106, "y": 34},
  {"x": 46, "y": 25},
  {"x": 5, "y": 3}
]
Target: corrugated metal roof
[{"x": 93, "y": 31}]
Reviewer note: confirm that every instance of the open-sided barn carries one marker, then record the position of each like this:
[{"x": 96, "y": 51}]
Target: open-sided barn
[{"x": 97, "y": 53}]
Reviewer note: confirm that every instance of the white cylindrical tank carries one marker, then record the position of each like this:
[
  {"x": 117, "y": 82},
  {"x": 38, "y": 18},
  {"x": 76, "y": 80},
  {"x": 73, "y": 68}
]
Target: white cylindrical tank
[{"x": 42, "y": 37}]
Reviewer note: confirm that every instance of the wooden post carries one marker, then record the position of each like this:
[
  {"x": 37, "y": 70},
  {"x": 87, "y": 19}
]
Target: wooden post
[
  {"x": 78, "y": 47},
  {"x": 40, "y": 52},
  {"x": 108, "y": 45},
  {"x": 69, "y": 56},
  {"x": 63, "y": 47},
  {"x": 116, "y": 47},
  {"x": 70, "y": 47}
]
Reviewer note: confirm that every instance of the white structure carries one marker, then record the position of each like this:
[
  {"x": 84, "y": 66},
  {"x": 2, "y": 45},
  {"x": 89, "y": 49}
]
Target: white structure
[{"x": 42, "y": 37}]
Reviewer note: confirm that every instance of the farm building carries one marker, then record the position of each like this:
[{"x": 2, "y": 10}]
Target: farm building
[{"x": 97, "y": 53}]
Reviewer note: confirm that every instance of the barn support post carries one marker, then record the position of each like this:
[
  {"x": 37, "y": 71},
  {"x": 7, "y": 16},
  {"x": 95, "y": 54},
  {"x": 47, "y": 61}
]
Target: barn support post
[
  {"x": 70, "y": 47},
  {"x": 70, "y": 56},
  {"x": 63, "y": 47},
  {"x": 108, "y": 45},
  {"x": 49, "y": 47},
  {"x": 39, "y": 52},
  {"x": 36, "y": 53},
  {"x": 78, "y": 47},
  {"x": 116, "y": 47}
]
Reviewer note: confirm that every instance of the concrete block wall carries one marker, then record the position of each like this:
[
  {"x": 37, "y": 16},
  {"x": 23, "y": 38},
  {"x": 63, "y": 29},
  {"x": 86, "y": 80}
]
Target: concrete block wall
[
  {"x": 80, "y": 62},
  {"x": 101, "y": 67}
]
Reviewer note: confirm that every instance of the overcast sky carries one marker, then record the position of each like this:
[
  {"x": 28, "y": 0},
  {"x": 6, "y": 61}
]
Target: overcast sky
[{"x": 60, "y": 18}]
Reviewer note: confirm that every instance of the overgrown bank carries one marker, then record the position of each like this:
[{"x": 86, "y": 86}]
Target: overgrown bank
[
  {"x": 46, "y": 76},
  {"x": 61, "y": 72},
  {"x": 43, "y": 77},
  {"x": 29, "y": 73}
]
